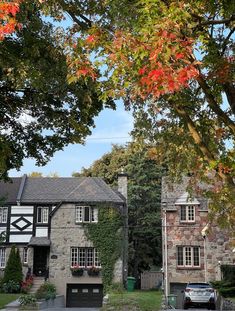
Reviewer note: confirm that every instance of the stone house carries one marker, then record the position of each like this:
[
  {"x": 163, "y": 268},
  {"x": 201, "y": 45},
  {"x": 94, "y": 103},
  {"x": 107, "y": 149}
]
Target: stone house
[
  {"x": 193, "y": 248},
  {"x": 46, "y": 219}
]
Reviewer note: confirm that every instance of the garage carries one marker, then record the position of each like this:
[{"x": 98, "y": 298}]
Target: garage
[{"x": 84, "y": 295}]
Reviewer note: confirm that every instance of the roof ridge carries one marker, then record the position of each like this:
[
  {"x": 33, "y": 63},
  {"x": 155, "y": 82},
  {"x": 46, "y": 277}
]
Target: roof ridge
[
  {"x": 106, "y": 185},
  {"x": 76, "y": 188}
]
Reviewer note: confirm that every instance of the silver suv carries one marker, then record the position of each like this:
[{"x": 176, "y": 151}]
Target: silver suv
[{"x": 199, "y": 294}]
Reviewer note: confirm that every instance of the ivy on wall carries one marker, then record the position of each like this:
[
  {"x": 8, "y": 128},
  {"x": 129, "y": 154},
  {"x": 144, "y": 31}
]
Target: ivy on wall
[{"x": 106, "y": 236}]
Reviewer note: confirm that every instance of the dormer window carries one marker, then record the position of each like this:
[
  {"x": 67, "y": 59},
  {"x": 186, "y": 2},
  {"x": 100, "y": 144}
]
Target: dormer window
[
  {"x": 3, "y": 214},
  {"x": 86, "y": 214},
  {"x": 187, "y": 213},
  {"x": 42, "y": 215}
]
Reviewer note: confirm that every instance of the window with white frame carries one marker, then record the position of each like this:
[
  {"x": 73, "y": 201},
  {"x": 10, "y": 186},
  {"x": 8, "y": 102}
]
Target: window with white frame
[
  {"x": 86, "y": 214},
  {"x": 42, "y": 214},
  {"x": 188, "y": 256},
  {"x": 2, "y": 257},
  {"x": 3, "y": 214},
  {"x": 84, "y": 257},
  {"x": 25, "y": 255},
  {"x": 187, "y": 213}
]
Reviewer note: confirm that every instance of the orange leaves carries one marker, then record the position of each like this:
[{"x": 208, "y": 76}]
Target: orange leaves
[{"x": 8, "y": 22}]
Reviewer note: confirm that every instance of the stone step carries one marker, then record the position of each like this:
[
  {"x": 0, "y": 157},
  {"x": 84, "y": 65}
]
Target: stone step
[{"x": 37, "y": 282}]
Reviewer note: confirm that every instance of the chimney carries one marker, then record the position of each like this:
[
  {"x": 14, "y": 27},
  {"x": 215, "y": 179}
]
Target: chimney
[{"x": 122, "y": 183}]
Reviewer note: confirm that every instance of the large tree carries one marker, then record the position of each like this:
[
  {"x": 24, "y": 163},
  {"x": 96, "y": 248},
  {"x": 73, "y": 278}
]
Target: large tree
[
  {"x": 144, "y": 183},
  {"x": 40, "y": 111},
  {"x": 176, "y": 57}
]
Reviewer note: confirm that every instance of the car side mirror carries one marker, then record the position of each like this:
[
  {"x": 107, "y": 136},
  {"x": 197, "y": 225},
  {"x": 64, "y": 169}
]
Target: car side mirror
[{"x": 182, "y": 291}]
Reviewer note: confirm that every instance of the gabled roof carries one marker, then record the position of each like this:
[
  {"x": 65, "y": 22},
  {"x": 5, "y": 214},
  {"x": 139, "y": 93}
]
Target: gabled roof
[
  {"x": 9, "y": 190},
  {"x": 185, "y": 199},
  {"x": 68, "y": 189}
]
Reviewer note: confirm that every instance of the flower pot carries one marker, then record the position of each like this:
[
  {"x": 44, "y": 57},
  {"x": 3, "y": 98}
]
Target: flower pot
[
  {"x": 91, "y": 272},
  {"x": 77, "y": 272}
]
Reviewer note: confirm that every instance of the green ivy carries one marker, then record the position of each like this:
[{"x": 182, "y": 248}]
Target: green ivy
[{"x": 106, "y": 237}]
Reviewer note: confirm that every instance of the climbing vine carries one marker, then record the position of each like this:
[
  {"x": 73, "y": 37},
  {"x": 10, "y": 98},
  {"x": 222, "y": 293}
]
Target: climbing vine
[{"x": 106, "y": 237}]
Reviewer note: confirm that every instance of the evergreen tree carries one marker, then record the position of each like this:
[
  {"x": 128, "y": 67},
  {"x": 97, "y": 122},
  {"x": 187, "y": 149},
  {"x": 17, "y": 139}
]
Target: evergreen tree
[
  {"x": 144, "y": 189},
  {"x": 13, "y": 271}
]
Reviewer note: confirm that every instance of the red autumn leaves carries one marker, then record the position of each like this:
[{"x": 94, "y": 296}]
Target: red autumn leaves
[
  {"x": 8, "y": 22},
  {"x": 166, "y": 66}
]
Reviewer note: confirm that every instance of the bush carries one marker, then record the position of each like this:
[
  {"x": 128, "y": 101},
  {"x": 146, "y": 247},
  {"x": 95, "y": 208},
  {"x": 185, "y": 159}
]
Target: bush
[
  {"x": 11, "y": 287},
  {"x": 116, "y": 288},
  {"x": 46, "y": 291},
  {"x": 13, "y": 272},
  {"x": 26, "y": 285},
  {"x": 26, "y": 300},
  {"x": 225, "y": 288}
]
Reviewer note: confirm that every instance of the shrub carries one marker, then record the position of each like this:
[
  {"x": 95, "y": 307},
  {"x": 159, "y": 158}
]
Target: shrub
[
  {"x": 26, "y": 300},
  {"x": 11, "y": 287},
  {"x": 225, "y": 288},
  {"x": 117, "y": 288},
  {"x": 46, "y": 291},
  {"x": 26, "y": 285},
  {"x": 13, "y": 271}
]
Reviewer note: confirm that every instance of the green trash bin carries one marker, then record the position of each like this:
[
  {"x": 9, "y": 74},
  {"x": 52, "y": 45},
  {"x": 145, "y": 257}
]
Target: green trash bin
[
  {"x": 172, "y": 300},
  {"x": 130, "y": 283}
]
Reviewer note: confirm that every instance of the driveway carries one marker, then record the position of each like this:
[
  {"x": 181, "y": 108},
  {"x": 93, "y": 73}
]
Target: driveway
[{"x": 71, "y": 309}]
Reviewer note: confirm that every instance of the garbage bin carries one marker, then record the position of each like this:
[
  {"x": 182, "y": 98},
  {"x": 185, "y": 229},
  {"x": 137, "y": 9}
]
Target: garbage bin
[
  {"x": 171, "y": 299},
  {"x": 130, "y": 283}
]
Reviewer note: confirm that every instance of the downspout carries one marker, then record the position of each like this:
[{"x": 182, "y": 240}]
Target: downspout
[
  {"x": 122, "y": 188},
  {"x": 166, "y": 255}
]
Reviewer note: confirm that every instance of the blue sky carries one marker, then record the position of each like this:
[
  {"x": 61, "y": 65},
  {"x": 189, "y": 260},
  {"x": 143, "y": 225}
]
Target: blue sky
[{"x": 112, "y": 127}]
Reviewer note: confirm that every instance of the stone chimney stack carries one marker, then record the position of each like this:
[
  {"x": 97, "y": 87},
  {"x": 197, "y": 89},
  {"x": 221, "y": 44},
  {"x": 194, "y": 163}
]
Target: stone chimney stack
[{"x": 122, "y": 183}]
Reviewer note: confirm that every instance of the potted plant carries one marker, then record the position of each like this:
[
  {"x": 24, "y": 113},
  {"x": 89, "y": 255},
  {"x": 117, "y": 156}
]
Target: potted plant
[
  {"x": 76, "y": 270},
  {"x": 93, "y": 271}
]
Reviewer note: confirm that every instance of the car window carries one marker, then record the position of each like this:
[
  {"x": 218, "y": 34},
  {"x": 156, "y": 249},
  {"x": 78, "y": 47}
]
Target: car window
[{"x": 198, "y": 285}]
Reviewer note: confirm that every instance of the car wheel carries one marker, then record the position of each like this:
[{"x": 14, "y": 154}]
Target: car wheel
[{"x": 185, "y": 307}]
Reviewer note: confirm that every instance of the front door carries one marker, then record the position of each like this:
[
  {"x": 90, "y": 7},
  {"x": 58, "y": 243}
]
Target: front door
[{"x": 40, "y": 261}]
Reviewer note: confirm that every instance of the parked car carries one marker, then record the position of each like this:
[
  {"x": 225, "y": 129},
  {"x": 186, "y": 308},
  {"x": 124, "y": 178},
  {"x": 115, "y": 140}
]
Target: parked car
[{"x": 199, "y": 294}]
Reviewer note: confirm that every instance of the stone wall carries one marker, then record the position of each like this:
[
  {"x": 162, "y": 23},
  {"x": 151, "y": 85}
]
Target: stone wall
[
  {"x": 65, "y": 233},
  {"x": 217, "y": 243}
]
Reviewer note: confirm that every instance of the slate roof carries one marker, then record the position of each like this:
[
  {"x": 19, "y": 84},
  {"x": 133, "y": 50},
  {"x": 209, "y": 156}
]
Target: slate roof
[
  {"x": 68, "y": 189},
  {"x": 39, "y": 241},
  {"x": 9, "y": 190}
]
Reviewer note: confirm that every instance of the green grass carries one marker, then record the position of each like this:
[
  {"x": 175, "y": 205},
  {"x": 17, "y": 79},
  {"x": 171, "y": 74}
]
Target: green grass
[
  {"x": 7, "y": 298},
  {"x": 134, "y": 301}
]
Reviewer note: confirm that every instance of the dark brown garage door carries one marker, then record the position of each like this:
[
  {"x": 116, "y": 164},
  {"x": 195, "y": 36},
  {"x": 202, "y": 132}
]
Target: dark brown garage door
[{"x": 84, "y": 295}]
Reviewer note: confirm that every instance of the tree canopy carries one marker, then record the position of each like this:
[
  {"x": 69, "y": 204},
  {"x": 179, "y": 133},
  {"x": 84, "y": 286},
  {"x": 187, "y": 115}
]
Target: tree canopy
[
  {"x": 173, "y": 61},
  {"x": 40, "y": 111}
]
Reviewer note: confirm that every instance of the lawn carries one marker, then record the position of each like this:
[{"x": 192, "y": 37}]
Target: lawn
[
  {"x": 134, "y": 301},
  {"x": 7, "y": 298}
]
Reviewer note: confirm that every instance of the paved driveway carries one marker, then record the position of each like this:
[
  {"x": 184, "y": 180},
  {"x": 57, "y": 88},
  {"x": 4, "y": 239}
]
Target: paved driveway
[{"x": 71, "y": 309}]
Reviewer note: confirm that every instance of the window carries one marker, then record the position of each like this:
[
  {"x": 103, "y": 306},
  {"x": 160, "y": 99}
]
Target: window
[
  {"x": 42, "y": 216},
  {"x": 187, "y": 213},
  {"x": 188, "y": 256},
  {"x": 86, "y": 214},
  {"x": 84, "y": 257},
  {"x": 3, "y": 214},
  {"x": 2, "y": 257},
  {"x": 25, "y": 255}
]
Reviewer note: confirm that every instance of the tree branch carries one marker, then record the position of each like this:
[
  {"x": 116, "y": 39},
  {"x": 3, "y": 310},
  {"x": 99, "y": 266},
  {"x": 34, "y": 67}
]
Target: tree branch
[
  {"x": 214, "y": 22},
  {"x": 205, "y": 152},
  {"x": 214, "y": 105}
]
